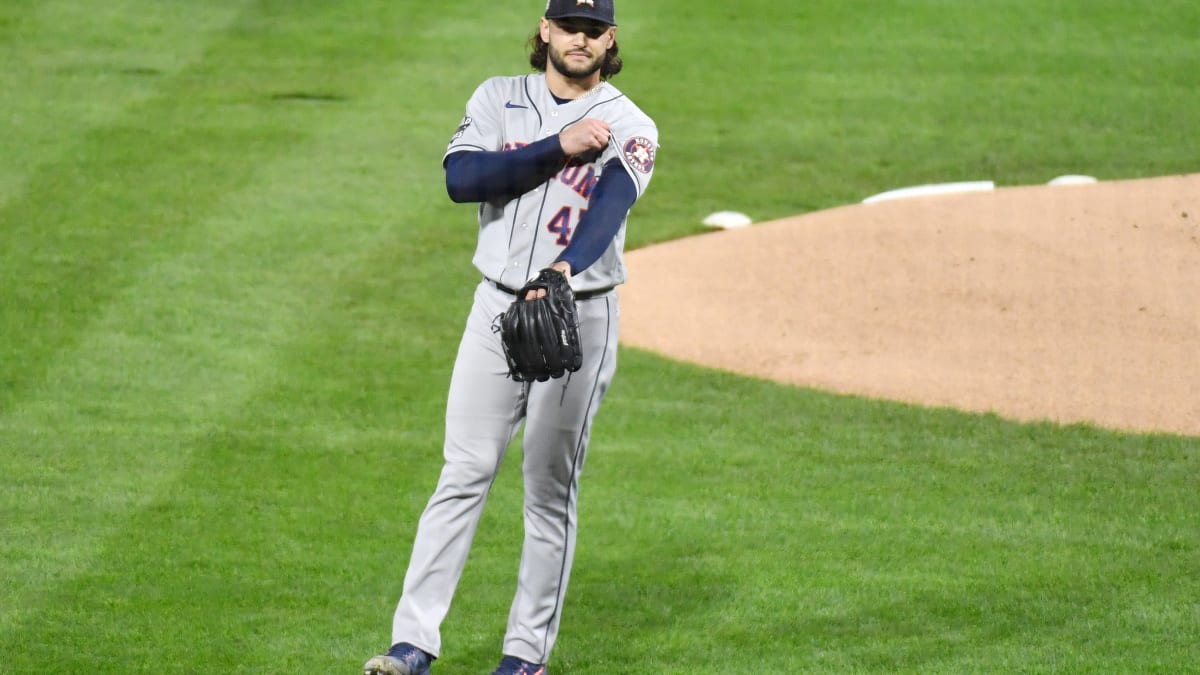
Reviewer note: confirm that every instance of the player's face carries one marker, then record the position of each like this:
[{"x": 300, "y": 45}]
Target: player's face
[{"x": 576, "y": 47}]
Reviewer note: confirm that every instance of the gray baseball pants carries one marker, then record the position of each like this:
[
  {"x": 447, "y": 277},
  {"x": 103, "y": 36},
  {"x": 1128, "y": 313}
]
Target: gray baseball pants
[{"x": 484, "y": 412}]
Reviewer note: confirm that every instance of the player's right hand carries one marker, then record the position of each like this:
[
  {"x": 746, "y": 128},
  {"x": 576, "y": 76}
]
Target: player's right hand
[{"x": 586, "y": 135}]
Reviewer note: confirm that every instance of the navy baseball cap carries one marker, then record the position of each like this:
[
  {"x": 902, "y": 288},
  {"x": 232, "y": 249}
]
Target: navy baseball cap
[{"x": 597, "y": 10}]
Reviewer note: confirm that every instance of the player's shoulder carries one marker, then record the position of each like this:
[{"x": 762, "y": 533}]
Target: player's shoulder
[
  {"x": 617, "y": 106},
  {"x": 506, "y": 85},
  {"x": 610, "y": 95}
]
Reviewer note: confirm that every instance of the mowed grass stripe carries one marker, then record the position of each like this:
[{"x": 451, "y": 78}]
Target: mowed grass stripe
[
  {"x": 63, "y": 92},
  {"x": 191, "y": 334},
  {"x": 75, "y": 66},
  {"x": 839, "y": 535},
  {"x": 130, "y": 189},
  {"x": 350, "y": 210},
  {"x": 805, "y": 107}
]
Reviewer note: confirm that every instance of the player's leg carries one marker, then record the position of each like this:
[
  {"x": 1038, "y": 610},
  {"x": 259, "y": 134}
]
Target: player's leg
[
  {"x": 557, "y": 428},
  {"x": 483, "y": 412}
]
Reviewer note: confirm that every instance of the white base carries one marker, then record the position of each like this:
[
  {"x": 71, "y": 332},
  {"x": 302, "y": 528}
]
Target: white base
[
  {"x": 727, "y": 219},
  {"x": 1072, "y": 180},
  {"x": 933, "y": 189}
]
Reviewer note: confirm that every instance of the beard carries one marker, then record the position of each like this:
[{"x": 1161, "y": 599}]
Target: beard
[{"x": 579, "y": 72}]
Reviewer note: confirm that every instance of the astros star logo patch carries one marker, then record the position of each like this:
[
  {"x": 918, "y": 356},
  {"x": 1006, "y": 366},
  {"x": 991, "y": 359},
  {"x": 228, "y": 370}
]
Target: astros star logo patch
[{"x": 639, "y": 152}]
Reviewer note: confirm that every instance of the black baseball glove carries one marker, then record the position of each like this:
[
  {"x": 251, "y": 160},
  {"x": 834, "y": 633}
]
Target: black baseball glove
[{"x": 541, "y": 336}]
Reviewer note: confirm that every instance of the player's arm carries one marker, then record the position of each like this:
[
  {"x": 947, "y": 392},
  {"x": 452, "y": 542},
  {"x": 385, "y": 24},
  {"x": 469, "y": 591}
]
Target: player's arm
[
  {"x": 489, "y": 176},
  {"x": 486, "y": 176},
  {"x": 611, "y": 200}
]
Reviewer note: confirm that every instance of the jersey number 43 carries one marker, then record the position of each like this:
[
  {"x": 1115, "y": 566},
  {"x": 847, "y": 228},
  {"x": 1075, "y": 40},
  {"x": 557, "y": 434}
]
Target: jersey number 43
[{"x": 561, "y": 224}]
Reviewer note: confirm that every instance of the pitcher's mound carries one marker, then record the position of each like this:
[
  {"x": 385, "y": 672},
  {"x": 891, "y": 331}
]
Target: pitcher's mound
[{"x": 1076, "y": 303}]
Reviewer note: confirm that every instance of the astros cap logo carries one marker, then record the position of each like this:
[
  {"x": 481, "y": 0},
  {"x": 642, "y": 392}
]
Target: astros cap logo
[{"x": 596, "y": 10}]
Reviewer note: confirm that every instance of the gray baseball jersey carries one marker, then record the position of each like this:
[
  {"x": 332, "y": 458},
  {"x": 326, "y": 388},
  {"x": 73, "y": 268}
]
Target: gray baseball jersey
[{"x": 518, "y": 238}]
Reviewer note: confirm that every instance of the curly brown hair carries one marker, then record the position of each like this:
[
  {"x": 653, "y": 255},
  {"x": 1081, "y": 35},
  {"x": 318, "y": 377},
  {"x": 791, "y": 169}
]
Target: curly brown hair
[{"x": 539, "y": 53}]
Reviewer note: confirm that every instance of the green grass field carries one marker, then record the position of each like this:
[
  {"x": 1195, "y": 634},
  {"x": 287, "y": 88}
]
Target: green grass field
[{"x": 231, "y": 288}]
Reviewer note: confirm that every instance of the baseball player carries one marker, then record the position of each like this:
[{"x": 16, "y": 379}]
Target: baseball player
[{"x": 555, "y": 160}]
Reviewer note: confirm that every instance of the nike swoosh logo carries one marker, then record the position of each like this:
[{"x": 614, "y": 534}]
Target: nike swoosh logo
[{"x": 510, "y": 104}]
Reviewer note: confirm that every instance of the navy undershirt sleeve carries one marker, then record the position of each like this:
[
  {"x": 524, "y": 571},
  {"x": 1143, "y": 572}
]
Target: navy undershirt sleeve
[
  {"x": 491, "y": 176},
  {"x": 611, "y": 200}
]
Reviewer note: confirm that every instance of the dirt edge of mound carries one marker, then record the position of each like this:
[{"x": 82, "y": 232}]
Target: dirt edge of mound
[{"x": 1074, "y": 303}]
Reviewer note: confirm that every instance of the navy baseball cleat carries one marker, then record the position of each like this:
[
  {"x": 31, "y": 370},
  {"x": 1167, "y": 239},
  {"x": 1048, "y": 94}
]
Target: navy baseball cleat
[
  {"x": 511, "y": 665},
  {"x": 401, "y": 659}
]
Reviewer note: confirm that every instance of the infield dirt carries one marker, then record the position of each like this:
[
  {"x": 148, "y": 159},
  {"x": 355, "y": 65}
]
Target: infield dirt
[{"x": 1073, "y": 303}]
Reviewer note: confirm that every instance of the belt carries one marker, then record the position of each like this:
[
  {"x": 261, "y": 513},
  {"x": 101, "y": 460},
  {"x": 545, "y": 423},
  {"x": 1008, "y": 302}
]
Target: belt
[{"x": 579, "y": 295}]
